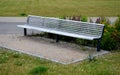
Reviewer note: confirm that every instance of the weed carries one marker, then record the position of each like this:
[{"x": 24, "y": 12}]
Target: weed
[
  {"x": 91, "y": 57},
  {"x": 84, "y": 19},
  {"x": 16, "y": 55},
  {"x": 84, "y": 48},
  {"x": 38, "y": 70},
  {"x": 23, "y": 14},
  {"x": 3, "y": 58},
  {"x": 104, "y": 72},
  {"x": 18, "y": 63}
]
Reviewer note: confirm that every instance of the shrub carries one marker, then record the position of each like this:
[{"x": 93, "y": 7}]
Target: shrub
[
  {"x": 116, "y": 33},
  {"x": 98, "y": 20},
  {"x": 111, "y": 35},
  {"x": 117, "y": 24},
  {"x": 84, "y": 19},
  {"x": 62, "y": 17},
  {"x": 108, "y": 43}
]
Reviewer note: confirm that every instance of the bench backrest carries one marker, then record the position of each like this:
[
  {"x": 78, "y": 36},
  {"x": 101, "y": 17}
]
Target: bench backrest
[{"x": 75, "y": 27}]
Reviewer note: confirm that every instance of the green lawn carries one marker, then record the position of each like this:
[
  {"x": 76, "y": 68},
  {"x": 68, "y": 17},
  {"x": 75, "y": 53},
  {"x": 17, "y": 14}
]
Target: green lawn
[
  {"x": 60, "y": 7},
  {"x": 14, "y": 63}
]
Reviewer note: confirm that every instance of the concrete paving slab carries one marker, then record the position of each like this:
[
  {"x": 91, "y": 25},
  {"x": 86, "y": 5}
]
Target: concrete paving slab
[{"x": 61, "y": 52}]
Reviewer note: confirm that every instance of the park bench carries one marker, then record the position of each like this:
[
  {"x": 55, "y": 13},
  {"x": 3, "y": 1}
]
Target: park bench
[{"x": 76, "y": 29}]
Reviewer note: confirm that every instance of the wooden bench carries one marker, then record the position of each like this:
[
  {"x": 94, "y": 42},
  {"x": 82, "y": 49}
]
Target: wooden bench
[{"x": 76, "y": 29}]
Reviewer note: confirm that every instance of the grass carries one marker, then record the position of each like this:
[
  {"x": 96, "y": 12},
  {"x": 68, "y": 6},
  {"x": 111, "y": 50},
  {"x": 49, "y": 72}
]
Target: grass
[
  {"x": 28, "y": 65},
  {"x": 60, "y": 7}
]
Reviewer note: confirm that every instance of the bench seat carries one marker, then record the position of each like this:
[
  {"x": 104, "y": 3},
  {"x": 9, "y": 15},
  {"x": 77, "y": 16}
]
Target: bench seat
[{"x": 50, "y": 30}]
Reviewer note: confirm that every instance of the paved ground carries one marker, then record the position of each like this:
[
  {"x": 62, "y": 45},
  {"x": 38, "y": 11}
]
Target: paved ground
[
  {"x": 8, "y": 25},
  {"x": 13, "y": 19},
  {"x": 10, "y": 28},
  {"x": 23, "y": 19},
  {"x": 12, "y": 37},
  {"x": 59, "y": 52}
]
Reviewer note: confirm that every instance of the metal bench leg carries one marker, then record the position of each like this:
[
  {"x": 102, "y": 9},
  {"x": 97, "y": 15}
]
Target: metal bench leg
[
  {"x": 98, "y": 45},
  {"x": 25, "y": 32},
  {"x": 57, "y": 38}
]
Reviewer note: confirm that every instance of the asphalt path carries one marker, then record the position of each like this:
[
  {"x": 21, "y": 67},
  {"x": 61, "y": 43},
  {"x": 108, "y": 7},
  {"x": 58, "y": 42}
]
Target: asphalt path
[
  {"x": 10, "y": 28},
  {"x": 8, "y": 25}
]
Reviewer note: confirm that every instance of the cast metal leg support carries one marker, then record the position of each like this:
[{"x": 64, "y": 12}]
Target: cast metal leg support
[
  {"x": 25, "y": 32},
  {"x": 98, "y": 45}
]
